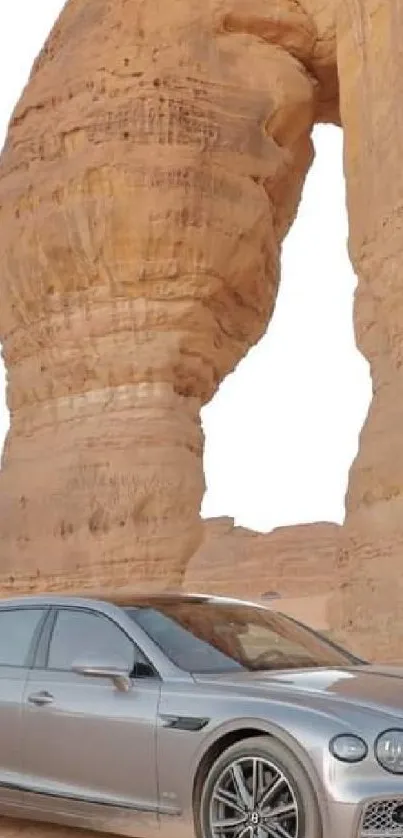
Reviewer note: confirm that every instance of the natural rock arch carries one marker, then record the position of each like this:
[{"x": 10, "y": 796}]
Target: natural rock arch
[{"x": 152, "y": 169}]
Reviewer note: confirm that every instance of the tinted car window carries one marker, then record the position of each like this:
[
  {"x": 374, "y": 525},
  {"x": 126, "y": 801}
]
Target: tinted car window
[
  {"x": 17, "y": 629},
  {"x": 213, "y": 636},
  {"x": 192, "y": 652},
  {"x": 84, "y": 634}
]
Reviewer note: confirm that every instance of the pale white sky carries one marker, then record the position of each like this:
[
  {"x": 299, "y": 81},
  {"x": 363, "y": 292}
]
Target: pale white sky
[{"x": 283, "y": 429}]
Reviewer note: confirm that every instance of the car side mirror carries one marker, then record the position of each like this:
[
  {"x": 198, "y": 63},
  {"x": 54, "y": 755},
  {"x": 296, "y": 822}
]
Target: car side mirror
[{"x": 115, "y": 669}]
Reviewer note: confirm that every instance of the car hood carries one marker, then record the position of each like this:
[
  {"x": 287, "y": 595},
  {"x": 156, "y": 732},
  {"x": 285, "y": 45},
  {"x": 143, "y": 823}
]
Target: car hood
[{"x": 376, "y": 687}]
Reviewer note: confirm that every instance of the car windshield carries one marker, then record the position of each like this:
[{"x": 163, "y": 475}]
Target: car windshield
[{"x": 210, "y": 636}]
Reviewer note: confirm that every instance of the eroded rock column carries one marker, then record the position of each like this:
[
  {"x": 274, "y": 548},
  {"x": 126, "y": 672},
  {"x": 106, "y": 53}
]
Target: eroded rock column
[
  {"x": 151, "y": 170},
  {"x": 369, "y": 603}
]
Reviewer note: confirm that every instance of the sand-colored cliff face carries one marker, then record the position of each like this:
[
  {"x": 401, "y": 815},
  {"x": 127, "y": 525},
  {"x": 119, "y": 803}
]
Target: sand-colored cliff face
[
  {"x": 369, "y": 603},
  {"x": 244, "y": 563},
  {"x": 151, "y": 171}
]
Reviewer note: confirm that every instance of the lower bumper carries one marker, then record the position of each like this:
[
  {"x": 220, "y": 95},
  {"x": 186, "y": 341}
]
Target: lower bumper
[{"x": 380, "y": 817}]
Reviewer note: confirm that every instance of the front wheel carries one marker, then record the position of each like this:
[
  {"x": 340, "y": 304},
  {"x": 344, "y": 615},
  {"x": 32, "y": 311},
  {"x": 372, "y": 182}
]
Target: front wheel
[{"x": 257, "y": 789}]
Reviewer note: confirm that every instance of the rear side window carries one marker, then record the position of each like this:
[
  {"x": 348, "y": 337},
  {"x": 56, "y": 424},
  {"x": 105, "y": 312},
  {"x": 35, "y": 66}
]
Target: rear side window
[{"x": 17, "y": 631}]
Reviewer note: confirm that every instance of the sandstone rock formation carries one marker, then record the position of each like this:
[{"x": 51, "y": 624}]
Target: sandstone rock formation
[
  {"x": 290, "y": 561},
  {"x": 151, "y": 171}
]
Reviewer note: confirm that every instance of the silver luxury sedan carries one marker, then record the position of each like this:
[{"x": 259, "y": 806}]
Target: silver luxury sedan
[{"x": 193, "y": 716}]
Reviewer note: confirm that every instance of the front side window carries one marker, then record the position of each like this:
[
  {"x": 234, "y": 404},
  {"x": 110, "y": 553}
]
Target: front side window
[
  {"x": 79, "y": 635},
  {"x": 17, "y": 631}
]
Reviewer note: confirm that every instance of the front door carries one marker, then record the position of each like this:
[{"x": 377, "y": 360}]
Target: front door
[
  {"x": 19, "y": 630},
  {"x": 87, "y": 744}
]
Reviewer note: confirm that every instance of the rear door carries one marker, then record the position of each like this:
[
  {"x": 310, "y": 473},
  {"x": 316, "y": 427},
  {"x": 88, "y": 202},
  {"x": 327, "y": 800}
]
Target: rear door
[{"x": 19, "y": 633}]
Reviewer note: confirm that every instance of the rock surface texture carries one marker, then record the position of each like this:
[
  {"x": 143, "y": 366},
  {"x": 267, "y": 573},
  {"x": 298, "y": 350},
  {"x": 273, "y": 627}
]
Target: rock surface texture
[{"x": 151, "y": 171}]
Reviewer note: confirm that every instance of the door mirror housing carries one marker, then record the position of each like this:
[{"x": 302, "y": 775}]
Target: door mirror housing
[{"x": 115, "y": 669}]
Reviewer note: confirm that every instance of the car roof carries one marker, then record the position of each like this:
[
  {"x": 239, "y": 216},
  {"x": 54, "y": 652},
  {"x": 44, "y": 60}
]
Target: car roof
[{"x": 122, "y": 598}]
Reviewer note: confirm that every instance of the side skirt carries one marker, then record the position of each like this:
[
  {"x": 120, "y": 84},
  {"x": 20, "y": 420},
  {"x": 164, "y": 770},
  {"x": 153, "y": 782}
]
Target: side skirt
[{"x": 83, "y": 814}]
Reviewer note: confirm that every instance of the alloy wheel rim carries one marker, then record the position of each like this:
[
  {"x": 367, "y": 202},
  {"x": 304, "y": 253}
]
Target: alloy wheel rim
[{"x": 253, "y": 798}]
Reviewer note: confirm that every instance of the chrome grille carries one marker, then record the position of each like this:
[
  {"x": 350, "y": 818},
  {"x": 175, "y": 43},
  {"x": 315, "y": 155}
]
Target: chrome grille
[{"x": 380, "y": 819}]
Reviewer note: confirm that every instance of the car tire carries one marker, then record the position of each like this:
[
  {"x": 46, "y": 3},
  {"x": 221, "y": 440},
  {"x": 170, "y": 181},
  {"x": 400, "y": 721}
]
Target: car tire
[{"x": 266, "y": 758}]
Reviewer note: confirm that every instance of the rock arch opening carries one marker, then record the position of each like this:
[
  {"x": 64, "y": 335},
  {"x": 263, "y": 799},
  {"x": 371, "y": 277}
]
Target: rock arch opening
[{"x": 282, "y": 431}]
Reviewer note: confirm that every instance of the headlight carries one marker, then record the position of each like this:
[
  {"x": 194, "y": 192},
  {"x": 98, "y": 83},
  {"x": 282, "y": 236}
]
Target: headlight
[
  {"x": 348, "y": 748},
  {"x": 389, "y": 751}
]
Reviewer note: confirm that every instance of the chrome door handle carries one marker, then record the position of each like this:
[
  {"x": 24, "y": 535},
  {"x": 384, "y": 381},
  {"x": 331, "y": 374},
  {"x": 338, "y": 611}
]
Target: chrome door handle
[{"x": 40, "y": 699}]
